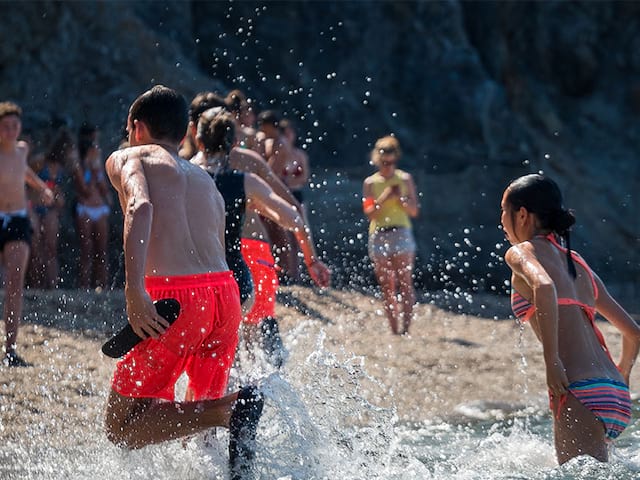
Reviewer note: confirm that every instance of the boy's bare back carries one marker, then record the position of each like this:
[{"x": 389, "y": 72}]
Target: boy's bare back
[{"x": 187, "y": 226}]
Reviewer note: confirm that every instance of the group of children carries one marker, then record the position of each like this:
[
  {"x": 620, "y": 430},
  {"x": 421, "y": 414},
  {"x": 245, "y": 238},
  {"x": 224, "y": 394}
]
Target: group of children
[
  {"x": 216, "y": 261},
  {"x": 72, "y": 167},
  {"x": 194, "y": 230}
]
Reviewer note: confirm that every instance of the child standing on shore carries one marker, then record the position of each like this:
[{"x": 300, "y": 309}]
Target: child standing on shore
[{"x": 15, "y": 226}]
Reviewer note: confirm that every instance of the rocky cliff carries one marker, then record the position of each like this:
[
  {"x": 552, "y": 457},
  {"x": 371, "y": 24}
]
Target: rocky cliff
[{"x": 477, "y": 92}]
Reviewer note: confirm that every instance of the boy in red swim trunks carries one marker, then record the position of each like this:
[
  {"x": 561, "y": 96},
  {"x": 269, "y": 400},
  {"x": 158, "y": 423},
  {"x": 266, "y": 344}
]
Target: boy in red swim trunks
[{"x": 174, "y": 247}]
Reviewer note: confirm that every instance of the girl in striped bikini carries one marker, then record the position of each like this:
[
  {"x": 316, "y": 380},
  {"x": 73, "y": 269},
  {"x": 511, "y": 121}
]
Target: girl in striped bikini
[{"x": 558, "y": 294}]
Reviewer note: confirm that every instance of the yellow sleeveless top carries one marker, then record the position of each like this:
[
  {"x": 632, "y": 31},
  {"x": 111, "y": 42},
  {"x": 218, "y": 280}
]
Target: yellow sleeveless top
[{"x": 391, "y": 213}]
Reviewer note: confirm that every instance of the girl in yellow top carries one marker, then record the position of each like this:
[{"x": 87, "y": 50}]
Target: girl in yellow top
[{"x": 390, "y": 201}]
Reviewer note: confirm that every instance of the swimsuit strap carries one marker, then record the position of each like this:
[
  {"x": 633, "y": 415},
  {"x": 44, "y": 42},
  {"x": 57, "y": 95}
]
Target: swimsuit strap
[
  {"x": 589, "y": 311},
  {"x": 524, "y": 309},
  {"x": 578, "y": 259}
]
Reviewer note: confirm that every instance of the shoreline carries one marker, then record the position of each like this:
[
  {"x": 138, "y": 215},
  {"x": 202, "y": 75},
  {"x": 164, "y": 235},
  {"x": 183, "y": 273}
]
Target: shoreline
[{"x": 453, "y": 367}]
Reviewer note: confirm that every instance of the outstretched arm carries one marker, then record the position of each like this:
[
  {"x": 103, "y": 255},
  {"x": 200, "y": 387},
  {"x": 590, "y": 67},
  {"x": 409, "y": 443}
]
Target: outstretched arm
[
  {"x": 607, "y": 306},
  {"x": 35, "y": 182},
  {"x": 525, "y": 266},
  {"x": 263, "y": 200}
]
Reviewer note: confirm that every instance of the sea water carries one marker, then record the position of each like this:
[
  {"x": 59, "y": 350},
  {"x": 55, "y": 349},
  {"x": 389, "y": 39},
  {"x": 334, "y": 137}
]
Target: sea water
[{"x": 318, "y": 424}]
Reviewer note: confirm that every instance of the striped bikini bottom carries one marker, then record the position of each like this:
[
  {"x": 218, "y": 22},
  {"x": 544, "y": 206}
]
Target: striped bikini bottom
[{"x": 609, "y": 401}]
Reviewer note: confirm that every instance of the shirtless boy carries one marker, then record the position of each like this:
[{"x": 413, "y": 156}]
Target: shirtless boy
[
  {"x": 280, "y": 155},
  {"x": 238, "y": 104},
  {"x": 15, "y": 227},
  {"x": 174, "y": 247}
]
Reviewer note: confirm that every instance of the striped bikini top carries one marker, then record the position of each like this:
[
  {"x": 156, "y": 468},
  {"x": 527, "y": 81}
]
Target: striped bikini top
[{"x": 523, "y": 309}]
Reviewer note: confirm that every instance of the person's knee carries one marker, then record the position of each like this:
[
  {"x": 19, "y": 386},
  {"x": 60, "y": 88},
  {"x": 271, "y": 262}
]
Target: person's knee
[
  {"x": 120, "y": 436},
  {"x": 120, "y": 420}
]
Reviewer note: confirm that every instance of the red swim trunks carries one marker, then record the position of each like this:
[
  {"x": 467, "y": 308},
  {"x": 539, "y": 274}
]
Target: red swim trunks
[
  {"x": 257, "y": 255},
  {"x": 201, "y": 342}
]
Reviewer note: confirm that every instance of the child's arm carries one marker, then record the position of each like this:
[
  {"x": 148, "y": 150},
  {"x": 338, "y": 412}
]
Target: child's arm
[
  {"x": 127, "y": 175},
  {"x": 265, "y": 201},
  {"x": 607, "y": 306},
  {"x": 35, "y": 182}
]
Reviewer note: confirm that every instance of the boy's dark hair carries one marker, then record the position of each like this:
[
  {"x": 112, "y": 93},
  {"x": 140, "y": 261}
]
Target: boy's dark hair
[
  {"x": 236, "y": 101},
  {"x": 269, "y": 117},
  {"x": 10, "y": 108},
  {"x": 164, "y": 111},
  {"x": 203, "y": 102}
]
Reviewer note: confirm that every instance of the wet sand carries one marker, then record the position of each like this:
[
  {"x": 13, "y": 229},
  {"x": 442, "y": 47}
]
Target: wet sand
[{"x": 449, "y": 363}]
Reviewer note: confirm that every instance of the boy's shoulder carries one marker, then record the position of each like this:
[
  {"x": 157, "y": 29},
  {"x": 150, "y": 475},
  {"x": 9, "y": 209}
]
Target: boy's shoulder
[
  {"x": 22, "y": 147},
  {"x": 20, "y": 150}
]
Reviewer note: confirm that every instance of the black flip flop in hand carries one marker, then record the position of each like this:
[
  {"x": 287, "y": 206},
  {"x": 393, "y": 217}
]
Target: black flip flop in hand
[{"x": 123, "y": 341}]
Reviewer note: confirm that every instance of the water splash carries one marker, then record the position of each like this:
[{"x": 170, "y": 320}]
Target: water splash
[{"x": 323, "y": 419}]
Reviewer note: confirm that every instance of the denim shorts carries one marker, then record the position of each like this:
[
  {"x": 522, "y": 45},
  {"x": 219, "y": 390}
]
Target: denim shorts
[{"x": 387, "y": 242}]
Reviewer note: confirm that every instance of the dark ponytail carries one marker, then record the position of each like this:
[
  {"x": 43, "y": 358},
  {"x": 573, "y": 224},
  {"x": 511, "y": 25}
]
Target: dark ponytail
[
  {"x": 217, "y": 132},
  {"x": 541, "y": 195},
  {"x": 561, "y": 224}
]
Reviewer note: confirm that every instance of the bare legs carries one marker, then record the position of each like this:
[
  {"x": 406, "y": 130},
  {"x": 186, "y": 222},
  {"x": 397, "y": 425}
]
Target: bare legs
[
  {"x": 35, "y": 273},
  {"x": 387, "y": 281},
  {"x": 137, "y": 422},
  {"x": 286, "y": 250},
  {"x": 100, "y": 260},
  {"x": 395, "y": 277},
  {"x": 403, "y": 265},
  {"x": 93, "y": 236},
  {"x": 578, "y": 432},
  {"x": 251, "y": 338},
  {"x": 16, "y": 258},
  {"x": 50, "y": 227},
  {"x": 44, "y": 265}
]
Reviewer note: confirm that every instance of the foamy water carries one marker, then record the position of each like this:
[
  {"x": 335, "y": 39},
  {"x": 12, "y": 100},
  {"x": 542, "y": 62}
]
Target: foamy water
[{"x": 317, "y": 424}]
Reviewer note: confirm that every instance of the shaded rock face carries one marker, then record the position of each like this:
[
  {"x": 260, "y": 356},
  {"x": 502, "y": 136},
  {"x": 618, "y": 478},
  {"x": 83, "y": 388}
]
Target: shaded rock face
[{"x": 477, "y": 92}]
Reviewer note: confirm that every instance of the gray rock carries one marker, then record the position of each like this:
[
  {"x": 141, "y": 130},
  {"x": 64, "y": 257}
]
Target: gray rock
[{"x": 477, "y": 92}]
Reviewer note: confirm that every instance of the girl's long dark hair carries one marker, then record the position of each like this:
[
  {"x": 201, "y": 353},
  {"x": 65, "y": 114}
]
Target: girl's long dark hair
[{"x": 541, "y": 195}]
